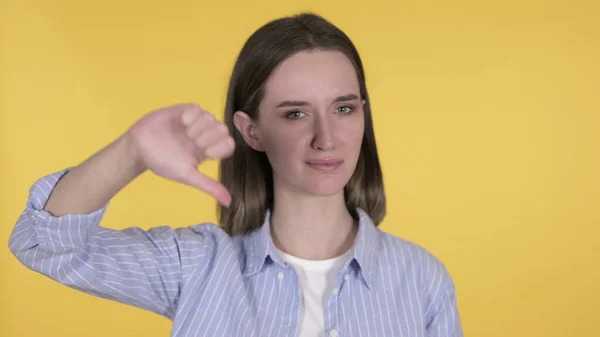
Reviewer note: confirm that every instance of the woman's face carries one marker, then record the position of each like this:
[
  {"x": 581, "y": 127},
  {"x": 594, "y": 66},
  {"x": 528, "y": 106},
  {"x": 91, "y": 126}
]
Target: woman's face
[{"x": 311, "y": 123}]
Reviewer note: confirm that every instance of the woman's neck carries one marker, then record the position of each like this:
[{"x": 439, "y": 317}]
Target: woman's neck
[{"x": 312, "y": 228}]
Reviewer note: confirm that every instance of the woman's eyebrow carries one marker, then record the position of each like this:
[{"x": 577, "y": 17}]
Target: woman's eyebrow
[
  {"x": 344, "y": 98},
  {"x": 349, "y": 97}
]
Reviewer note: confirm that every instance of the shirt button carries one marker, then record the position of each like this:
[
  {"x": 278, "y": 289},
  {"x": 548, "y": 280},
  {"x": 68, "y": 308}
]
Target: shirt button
[
  {"x": 336, "y": 291},
  {"x": 333, "y": 333},
  {"x": 280, "y": 275},
  {"x": 346, "y": 277}
]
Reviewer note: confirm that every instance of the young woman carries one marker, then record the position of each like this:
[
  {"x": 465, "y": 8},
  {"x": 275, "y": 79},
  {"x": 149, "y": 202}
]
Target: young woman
[{"x": 298, "y": 252}]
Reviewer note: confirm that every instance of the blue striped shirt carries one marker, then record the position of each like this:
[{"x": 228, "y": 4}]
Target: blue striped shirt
[{"x": 211, "y": 284}]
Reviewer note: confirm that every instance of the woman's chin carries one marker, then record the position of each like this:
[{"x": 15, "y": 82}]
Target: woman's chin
[{"x": 326, "y": 189}]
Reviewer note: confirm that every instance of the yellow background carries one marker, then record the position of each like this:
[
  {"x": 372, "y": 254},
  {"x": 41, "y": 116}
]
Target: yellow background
[{"x": 486, "y": 115}]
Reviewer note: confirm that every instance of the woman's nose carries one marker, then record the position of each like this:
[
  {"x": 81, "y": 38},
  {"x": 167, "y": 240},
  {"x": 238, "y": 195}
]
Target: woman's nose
[{"x": 324, "y": 138}]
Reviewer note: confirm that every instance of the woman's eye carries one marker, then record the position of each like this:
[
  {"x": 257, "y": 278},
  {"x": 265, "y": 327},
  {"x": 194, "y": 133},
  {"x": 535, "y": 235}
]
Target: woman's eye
[
  {"x": 345, "y": 109},
  {"x": 294, "y": 114}
]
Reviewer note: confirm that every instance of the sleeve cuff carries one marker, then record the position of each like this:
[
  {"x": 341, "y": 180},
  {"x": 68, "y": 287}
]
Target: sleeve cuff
[{"x": 66, "y": 232}]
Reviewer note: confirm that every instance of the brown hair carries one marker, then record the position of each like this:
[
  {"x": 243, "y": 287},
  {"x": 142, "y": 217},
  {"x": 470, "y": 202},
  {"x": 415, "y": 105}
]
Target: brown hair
[{"x": 247, "y": 174}]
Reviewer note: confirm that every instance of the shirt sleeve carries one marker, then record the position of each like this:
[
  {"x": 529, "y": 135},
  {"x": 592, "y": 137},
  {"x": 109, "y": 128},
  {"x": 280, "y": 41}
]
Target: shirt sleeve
[
  {"x": 138, "y": 267},
  {"x": 446, "y": 322},
  {"x": 443, "y": 317}
]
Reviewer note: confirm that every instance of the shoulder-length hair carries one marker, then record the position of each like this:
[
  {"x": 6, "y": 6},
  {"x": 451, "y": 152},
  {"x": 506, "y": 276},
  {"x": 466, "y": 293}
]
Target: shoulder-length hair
[{"x": 247, "y": 174}]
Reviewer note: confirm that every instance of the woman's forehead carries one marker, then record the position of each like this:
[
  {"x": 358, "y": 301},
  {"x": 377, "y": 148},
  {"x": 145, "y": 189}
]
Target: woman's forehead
[{"x": 312, "y": 75}]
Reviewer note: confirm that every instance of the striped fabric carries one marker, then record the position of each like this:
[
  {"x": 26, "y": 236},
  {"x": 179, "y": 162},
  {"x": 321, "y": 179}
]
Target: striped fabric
[{"x": 211, "y": 284}]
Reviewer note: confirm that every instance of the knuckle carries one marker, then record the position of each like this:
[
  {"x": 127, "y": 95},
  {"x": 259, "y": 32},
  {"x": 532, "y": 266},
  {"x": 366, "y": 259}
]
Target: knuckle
[
  {"x": 199, "y": 142},
  {"x": 210, "y": 117}
]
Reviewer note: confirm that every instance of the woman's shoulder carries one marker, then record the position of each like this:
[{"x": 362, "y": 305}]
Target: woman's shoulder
[
  {"x": 202, "y": 231},
  {"x": 413, "y": 258},
  {"x": 199, "y": 235},
  {"x": 211, "y": 236},
  {"x": 400, "y": 246}
]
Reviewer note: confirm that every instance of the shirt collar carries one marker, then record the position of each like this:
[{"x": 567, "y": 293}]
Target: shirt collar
[
  {"x": 260, "y": 248},
  {"x": 366, "y": 247}
]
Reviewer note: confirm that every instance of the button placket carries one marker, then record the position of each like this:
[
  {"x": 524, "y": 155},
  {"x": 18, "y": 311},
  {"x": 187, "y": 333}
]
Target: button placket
[{"x": 334, "y": 307}]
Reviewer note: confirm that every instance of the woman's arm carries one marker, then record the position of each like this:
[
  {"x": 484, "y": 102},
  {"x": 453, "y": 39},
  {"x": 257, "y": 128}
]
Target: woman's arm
[
  {"x": 59, "y": 232},
  {"x": 91, "y": 185}
]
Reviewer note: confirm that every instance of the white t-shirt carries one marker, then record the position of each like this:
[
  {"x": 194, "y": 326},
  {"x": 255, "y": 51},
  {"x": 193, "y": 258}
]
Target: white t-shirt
[{"x": 317, "y": 278}]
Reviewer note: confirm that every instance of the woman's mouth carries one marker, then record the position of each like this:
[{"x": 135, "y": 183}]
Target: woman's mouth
[{"x": 325, "y": 165}]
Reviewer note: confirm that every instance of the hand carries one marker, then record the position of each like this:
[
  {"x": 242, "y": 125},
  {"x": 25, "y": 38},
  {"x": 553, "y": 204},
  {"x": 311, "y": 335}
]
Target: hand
[{"x": 173, "y": 141}]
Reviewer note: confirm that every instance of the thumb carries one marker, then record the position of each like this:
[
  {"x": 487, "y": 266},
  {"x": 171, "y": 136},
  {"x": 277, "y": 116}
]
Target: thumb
[{"x": 208, "y": 185}]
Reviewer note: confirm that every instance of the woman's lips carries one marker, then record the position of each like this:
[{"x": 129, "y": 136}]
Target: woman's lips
[{"x": 325, "y": 165}]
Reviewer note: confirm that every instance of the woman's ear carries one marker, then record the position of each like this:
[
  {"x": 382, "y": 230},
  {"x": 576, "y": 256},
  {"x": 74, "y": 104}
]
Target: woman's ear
[{"x": 247, "y": 128}]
